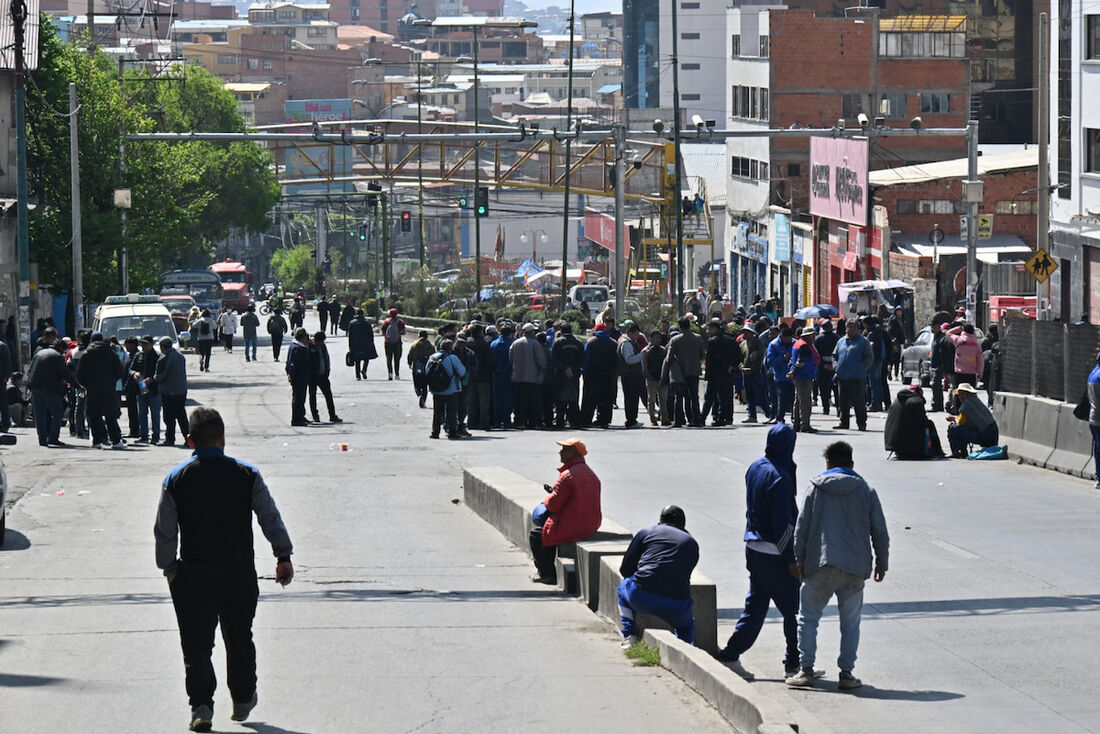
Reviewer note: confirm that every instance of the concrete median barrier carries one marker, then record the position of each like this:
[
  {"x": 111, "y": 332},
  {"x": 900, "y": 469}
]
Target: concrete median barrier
[
  {"x": 1073, "y": 444},
  {"x": 1034, "y": 442},
  {"x": 704, "y": 597},
  {"x": 735, "y": 699},
  {"x": 589, "y": 553}
]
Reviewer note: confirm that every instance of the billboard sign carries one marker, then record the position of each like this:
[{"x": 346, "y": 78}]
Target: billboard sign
[
  {"x": 600, "y": 229},
  {"x": 318, "y": 160},
  {"x": 838, "y": 179},
  {"x": 781, "y": 227}
]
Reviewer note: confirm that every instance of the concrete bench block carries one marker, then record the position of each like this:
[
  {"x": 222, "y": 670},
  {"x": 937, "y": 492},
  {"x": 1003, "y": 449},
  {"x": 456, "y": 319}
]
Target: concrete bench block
[
  {"x": 589, "y": 553},
  {"x": 1072, "y": 444},
  {"x": 704, "y": 598},
  {"x": 567, "y": 575},
  {"x": 1035, "y": 443}
]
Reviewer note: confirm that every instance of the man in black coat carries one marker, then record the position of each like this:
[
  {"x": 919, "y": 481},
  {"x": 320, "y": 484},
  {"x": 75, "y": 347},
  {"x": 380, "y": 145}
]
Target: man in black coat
[
  {"x": 333, "y": 315},
  {"x": 299, "y": 372},
  {"x": 5, "y": 373},
  {"x": 321, "y": 366},
  {"x": 361, "y": 343},
  {"x": 723, "y": 357},
  {"x": 99, "y": 370},
  {"x": 130, "y": 387},
  {"x": 601, "y": 360},
  {"x": 568, "y": 355},
  {"x": 48, "y": 380}
]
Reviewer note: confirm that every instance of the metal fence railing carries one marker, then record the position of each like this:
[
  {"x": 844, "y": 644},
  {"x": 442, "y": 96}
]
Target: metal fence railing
[{"x": 1058, "y": 367}]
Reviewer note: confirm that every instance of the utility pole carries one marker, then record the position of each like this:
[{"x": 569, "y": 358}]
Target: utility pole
[
  {"x": 19, "y": 19},
  {"x": 620, "y": 245},
  {"x": 972, "y": 195},
  {"x": 420, "y": 165},
  {"x": 386, "y": 254},
  {"x": 124, "y": 255},
  {"x": 568, "y": 125},
  {"x": 477, "y": 174},
  {"x": 78, "y": 251},
  {"x": 679, "y": 274},
  {"x": 1042, "y": 229}
]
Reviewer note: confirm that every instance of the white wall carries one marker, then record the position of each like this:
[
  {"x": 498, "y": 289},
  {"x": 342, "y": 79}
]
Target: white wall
[{"x": 709, "y": 51}]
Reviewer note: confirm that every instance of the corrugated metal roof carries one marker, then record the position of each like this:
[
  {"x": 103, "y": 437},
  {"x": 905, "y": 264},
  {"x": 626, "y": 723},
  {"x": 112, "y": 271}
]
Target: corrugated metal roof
[
  {"x": 30, "y": 38},
  {"x": 248, "y": 86},
  {"x": 709, "y": 163},
  {"x": 954, "y": 169},
  {"x": 923, "y": 23},
  {"x": 469, "y": 21}
]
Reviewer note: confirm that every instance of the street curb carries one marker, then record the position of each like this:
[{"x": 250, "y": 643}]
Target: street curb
[{"x": 734, "y": 697}]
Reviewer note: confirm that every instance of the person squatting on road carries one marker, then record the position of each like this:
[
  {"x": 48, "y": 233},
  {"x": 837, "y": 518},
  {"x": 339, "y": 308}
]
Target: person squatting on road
[
  {"x": 656, "y": 574},
  {"x": 841, "y": 519},
  {"x": 974, "y": 423},
  {"x": 570, "y": 513},
  {"x": 206, "y": 504},
  {"x": 771, "y": 512}
]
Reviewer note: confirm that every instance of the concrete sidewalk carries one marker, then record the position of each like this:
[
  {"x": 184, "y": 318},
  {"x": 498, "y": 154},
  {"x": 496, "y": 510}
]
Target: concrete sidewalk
[{"x": 407, "y": 612}]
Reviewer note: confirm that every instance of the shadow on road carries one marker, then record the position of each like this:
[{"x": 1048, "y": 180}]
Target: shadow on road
[
  {"x": 887, "y": 694},
  {"x": 261, "y": 728},
  {"x": 10, "y": 680},
  {"x": 15, "y": 541},
  {"x": 962, "y": 607}
]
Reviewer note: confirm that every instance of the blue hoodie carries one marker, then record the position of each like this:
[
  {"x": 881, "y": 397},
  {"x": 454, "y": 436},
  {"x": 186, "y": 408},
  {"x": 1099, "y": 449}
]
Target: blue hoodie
[
  {"x": 770, "y": 493},
  {"x": 778, "y": 358}
]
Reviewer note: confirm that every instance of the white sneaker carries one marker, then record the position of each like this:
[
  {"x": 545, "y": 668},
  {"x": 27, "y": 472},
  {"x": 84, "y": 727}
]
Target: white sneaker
[
  {"x": 804, "y": 679},
  {"x": 1097, "y": 485},
  {"x": 628, "y": 642},
  {"x": 119, "y": 445},
  {"x": 737, "y": 667}
]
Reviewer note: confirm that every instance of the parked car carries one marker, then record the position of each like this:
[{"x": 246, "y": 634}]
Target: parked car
[
  {"x": 916, "y": 359},
  {"x": 6, "y": 439}
]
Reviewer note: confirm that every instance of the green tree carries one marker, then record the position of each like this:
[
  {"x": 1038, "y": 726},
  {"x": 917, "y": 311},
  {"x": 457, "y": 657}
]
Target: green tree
[
  {"x": 295, "y": 267},
  {"x": 185, "y": 196}
]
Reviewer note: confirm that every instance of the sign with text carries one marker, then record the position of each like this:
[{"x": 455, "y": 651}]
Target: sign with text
[
  {"x": 781, "y": 228},
  {"x": 838, "y": 179}
]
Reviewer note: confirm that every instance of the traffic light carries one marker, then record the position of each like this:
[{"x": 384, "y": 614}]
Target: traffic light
[
  {"x": 373, "y": 188},
  {"x": 406, "y": 221},
  {"x": 481, "y": 201},
  {"x": 362, "y": 233},
  {"x": 463, "y": 201}
]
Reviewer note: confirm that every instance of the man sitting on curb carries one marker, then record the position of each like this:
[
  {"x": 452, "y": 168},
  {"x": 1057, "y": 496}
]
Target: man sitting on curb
[
  {"x": 974, "y": 423},
  {"x": 570, "y": 513},
  {"x": 657, "y": 577}
]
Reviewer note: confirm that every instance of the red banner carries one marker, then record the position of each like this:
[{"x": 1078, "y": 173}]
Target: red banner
[{"x": 600, "y": 228}]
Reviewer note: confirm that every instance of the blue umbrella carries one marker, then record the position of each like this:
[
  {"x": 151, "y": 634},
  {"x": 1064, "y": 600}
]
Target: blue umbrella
[{"x": 820, "y": 311}]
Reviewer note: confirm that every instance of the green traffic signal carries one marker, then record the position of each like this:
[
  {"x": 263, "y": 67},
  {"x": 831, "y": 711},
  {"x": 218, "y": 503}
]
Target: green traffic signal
[{"x": 463, "y": 201}]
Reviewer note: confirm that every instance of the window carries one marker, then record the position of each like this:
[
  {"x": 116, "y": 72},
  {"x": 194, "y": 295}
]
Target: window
[
  {"x": 922, "y": 45},
  {"x": 1092, "y": 41},
  {"x": 893, "y": 105},
  {"x": 752, "y": 103},
  {"x": 935, "y": 102},
  {"x": 764, "y": 105},
  {"x": 689, "y": 67},
  {"x": 746, "y": 92},
  {"x": 1092, "y": 150},
  {"x": 286, "y": 15},
  {"x": 935, "y": 206},
  {"x": 354, "y": 13},
  {"x": 317, "y": 32},
  {"x": 689, "y": 36},
  {"x": 227, "y": 59},
  {"x": 907, "y": 206},
  {"x": 1020, "y": 206},
  {"x": 253, "y": 64},
  {"x": 765, "y": 47},
  {"x": 794, "y": 170},
  {"x": 735, "y": 46},
  {"x": 690, "y": 97},
  {"x": 851, "y": 105},
  {"x": 763, "y": 171},
  {"x": 267, "y": 64},
  {"x": 689, "y": 6},
  {"x": 735, "y": 101}
]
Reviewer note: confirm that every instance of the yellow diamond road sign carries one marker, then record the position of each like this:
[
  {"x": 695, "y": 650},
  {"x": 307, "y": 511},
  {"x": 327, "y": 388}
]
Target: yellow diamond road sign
[{"x": 1041, "y": 265}]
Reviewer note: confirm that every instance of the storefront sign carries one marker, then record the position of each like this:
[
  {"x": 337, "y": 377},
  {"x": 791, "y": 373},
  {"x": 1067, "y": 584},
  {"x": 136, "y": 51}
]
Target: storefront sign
[
  {"x": 838, "y": 179},
  {"x": 781, "y": 227}
]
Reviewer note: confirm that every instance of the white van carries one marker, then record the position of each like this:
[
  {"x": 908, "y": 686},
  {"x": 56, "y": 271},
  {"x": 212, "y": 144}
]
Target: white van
[
  {"x": 596, "y": 296},
  {"x": 134, "y": 315}
]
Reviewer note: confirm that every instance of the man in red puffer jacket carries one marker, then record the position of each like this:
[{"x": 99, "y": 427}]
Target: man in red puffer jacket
[
  {"x": 570, "y": 513},
  {"x": 968, "y": 356}
]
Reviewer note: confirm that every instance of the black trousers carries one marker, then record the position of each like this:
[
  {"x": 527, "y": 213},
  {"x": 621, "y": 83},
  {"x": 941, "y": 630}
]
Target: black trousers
[
  {"x": 691, "y": 400},
  {"x": 852, "y": 395},
  {"x": 201, "y": 605},
  {"x": 544, "y": 555},
  {"x": 276, "y": 345},
  {"x": 597, "y": 399},
  {"x": 719, "y": 396},
  {"x": 203, "y": 347},
  {"x": 479, "y": 403},
  {"x": 393, "y": 359},
  {"x": 528, "y": 404},
  {"x": 445, "y": 414},
  {"x": 104, "y": 425},
  {"x": 133, "y": 416},
  {"x": 326, "y": 389},
  {"x": 322, "y": 314},
  {"x": 633, "y": 394},
  {"x": 298, "y": 400},
  {"x": 824, "y": 388},
  {"x": 175, "y": 413}
]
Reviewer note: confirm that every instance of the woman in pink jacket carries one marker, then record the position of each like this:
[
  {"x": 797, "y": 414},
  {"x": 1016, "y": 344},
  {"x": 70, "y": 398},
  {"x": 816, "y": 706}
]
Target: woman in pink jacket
[
  {"x": 968, "y": 354},
  {"x": 572, "y": 511}
]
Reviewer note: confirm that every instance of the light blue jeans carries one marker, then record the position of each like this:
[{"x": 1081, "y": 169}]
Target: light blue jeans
[{"x": 817, "y": 589}]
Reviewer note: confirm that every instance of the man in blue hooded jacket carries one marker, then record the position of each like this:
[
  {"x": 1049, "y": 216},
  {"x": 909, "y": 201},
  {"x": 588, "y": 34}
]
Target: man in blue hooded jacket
[{"x": 769, "y": 550}]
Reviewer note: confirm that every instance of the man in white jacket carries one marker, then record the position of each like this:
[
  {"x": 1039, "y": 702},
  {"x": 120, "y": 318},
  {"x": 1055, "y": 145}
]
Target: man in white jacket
[{"x": 227, "y": 324}]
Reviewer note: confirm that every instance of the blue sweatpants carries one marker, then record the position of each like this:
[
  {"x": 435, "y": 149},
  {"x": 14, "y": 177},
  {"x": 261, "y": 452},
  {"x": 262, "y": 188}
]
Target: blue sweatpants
[
  {"x": 769, "y": 581},
  {"x": 676, "y": 612}
]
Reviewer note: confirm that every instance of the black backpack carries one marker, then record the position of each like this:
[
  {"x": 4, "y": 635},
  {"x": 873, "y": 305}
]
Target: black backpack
[
  {"x": 204, "y": 327},
  {"x": 436, "y": 374}
]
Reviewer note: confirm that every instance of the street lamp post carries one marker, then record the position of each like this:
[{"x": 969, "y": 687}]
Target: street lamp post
[{"x": 535, "y": 237}]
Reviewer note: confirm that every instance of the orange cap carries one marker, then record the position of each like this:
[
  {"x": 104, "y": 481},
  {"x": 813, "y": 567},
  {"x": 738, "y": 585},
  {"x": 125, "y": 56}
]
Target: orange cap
[{"x": 575, "y": 443}]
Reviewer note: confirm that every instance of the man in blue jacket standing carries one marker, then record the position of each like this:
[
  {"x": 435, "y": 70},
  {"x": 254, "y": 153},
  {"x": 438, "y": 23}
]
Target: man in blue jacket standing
[
  {"x": 769, "y": 550},
  {"x": 445, "y": 402},
  {"x": 804, "y": 364},
  {"x": 852, "y": 357},
  {"x": 503, "y": 389},
  {"x": 777, "y": 359}
]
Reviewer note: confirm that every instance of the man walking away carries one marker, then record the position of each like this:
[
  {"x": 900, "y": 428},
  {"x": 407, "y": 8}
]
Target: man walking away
[
  {"x": 853, "y": 358},
  {"x": 322, "y": 314},
  {"x": 99, "y": 370},
  {"x": 631, "y": 371},
  {"x": 299, "y": 369},
  {"x": 206, "y": 504},
  {"x": 570, "y": 513},
  {"x": 769, "y": 551},
  {"x": 47, "y": 378},
  {"x": 276, "y": 327},
  {"x": 393, "y": 329},
  {"x": 250, "y": 322},
  {"x": 444, "y": 373},
  {"x": 804, "y": 365},
  {"x": 656, "y": 574},
  {"x": 841, "y": 519},
  {"x": 361, "y": 343},
  {"x": 333, "y": 315},
  {"x": 171, "y": 381},
  {"x": 203, "y": 330},
  {"x": 419, "y": 353},
  {"x": 149, "y": 402},
  {"x": 321, "y": 380}
]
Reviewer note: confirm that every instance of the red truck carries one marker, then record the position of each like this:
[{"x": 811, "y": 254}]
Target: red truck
[{"x": 236, "y": 284}]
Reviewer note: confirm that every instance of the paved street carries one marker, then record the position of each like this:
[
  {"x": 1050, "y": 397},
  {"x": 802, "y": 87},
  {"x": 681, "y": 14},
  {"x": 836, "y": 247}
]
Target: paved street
[{"x": 408, "y": 612}]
